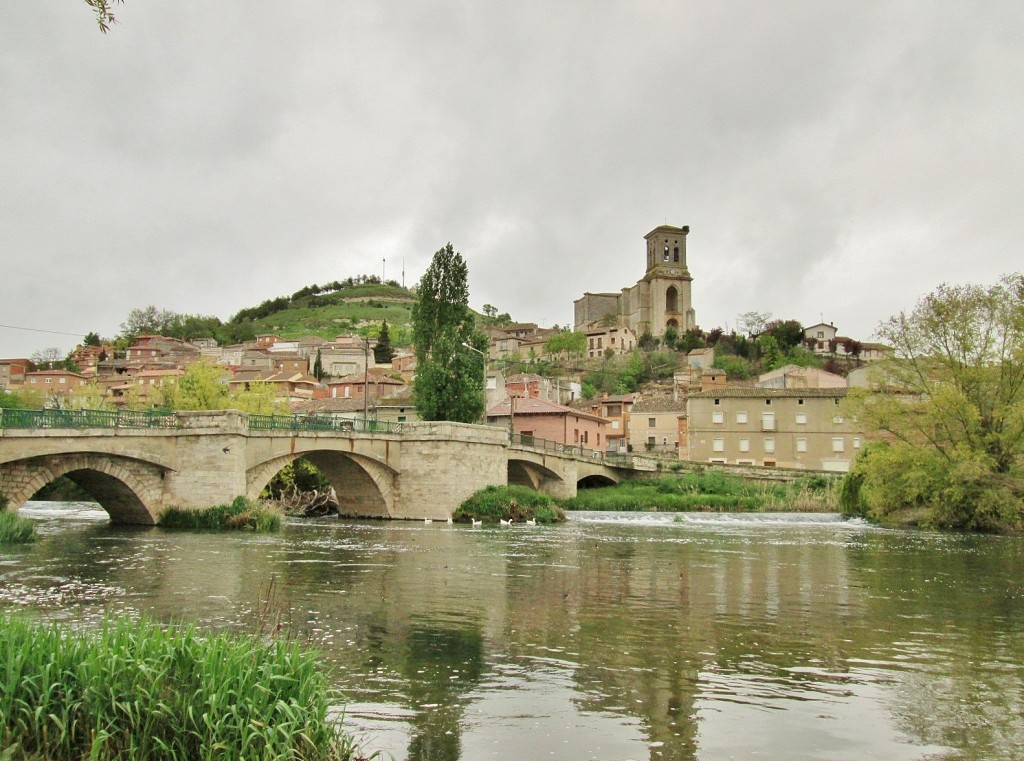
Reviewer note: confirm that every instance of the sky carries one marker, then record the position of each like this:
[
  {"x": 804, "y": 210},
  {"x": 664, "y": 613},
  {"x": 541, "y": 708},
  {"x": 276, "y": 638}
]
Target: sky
[{"x": 835, "y": 161}]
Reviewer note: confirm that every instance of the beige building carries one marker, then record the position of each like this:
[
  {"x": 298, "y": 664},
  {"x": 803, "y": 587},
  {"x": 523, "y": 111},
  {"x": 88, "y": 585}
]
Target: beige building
[
  {"x": 618, "y": 340},
  {"x": 661, "y": 298},
  {"x": 788, "y": 428},
  {"x": 658, "y": 426},
  {"x": 794, "y": 376}
]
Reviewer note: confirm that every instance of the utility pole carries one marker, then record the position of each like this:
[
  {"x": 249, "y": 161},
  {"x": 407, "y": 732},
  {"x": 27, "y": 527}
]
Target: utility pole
[{"x": 366, "y": 380}]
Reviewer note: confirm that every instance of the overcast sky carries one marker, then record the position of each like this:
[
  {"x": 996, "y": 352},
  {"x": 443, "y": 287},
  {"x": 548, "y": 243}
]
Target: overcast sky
[{"x": 833, "y": 160}]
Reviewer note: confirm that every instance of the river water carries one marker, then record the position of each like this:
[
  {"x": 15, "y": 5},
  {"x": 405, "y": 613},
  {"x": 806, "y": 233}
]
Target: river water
[{"x": 613, "y": 636}]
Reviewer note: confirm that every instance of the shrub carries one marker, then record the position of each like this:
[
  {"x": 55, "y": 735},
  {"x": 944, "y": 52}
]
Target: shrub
[
  {"x": 138, "y": 690},
  {"x": 240, "y": 514},
  {"x": 511, "y": 503}
]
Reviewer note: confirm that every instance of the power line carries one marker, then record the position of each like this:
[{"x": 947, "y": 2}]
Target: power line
[{"x": 41, "y": 330}]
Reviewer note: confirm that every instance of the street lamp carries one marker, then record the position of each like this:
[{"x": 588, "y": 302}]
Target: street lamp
[{"x": 483, "y": 357}]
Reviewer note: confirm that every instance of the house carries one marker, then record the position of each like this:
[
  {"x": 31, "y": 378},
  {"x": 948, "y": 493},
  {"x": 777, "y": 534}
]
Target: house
[
  {"x": 794, "y": 376},
  {"x": 352, "y": 386},
  {"x": 616, "y": 410},
  {"x": 291, "y": 386},
  {"x": 161, "y": 350},
  {"x": 345, "y": 355},
  {"x": 791, "y": 428},
  {"x": 12, "y": 373},
  {"x": 701, "y": 358},
  {"x": 660, "y": 299},
  {"x": 658, "y": 426},
  {"x": 534, "y": 418},
  {"x": 819, "y": 337},
  {"x": 289, "y": 364},
  {"x": 618, "y": 340},
  {"x": 51, "y": 382}
]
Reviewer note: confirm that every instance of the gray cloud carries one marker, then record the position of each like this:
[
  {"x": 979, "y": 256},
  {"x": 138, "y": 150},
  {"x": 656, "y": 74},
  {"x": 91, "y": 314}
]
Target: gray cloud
[{"x": 833, "y": 160}]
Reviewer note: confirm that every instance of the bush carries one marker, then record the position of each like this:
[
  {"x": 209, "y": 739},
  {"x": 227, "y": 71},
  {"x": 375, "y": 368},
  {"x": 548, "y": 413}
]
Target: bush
[
  {"x": 137, "y": 690},
  {"x": 13, "y": 528},
  {"x": 240, "y": 514},
  {"x": 511, "y": 503}
]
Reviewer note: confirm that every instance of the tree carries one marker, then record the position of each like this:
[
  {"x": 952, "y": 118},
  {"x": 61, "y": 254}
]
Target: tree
[
  {"x": 104, "y": 15},
  {"x": 768, "y": 348},
  {"x": 753, "y": 323},
  {"x": 383, "y": 352},
  {"x": 949, "y": 410},
  {"x": 670, "y": 336},
  {"x": 48, "y": 359},
  {"x": 566, "y": 344},
  {"x": 318, "y": 366},
  {"x": 449, "y": 382},
  {"x": 91, "y": 339},
  {"x": 202, "y": 387},
  {"x": 788, "y": 333},
  {"x": 490, "y": 310}
]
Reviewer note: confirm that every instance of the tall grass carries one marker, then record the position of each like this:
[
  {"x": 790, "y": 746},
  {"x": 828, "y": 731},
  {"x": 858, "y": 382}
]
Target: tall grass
[
  {"x": 240, "y": 514},
  {"x": 16, "y": 530},
  {"x": 709, "y": 491},
  {"x": 511, "y": 503},
  {"x": 137, "y": 690}
]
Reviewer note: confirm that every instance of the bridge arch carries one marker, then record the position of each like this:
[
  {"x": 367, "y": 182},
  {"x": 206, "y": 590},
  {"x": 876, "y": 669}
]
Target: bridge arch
[
  {"x": 364, "y": 487},
  {"x": 595, "y": 481},
  {"x": 535, "y": 476},
  {"x": 128, "y": 489}
]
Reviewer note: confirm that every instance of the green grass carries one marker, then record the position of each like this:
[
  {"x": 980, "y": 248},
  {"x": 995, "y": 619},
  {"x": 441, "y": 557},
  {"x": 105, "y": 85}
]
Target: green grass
[
  {"x": 510, "y": 503},
  {"x": 709, "y": 491},
  {"x": 16, "y": 530},
  {"x": 138, "y": 690},
  {"x": 241, "y": 514},
  {"x": 329, "y": 321}
]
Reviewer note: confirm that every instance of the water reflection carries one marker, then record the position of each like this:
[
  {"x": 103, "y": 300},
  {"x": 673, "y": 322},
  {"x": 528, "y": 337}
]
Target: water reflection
[{"x": 627, "y": 636}]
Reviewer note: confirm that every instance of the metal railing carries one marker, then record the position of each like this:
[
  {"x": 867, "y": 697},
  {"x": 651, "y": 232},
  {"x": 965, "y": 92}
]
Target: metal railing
[
  {"x": 571, "y": 450},
  {"x": 320, "y": 423},
  {"x": 30, "y": 419}
]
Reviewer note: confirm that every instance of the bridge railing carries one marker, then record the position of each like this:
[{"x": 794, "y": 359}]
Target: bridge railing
[
  {"x": 320, "y": 423},
  {"x": 526, "y": 440},
  {"x": 87, "y": 419}
]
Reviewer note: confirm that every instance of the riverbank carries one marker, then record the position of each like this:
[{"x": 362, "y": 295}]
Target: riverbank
[
  {"x": 139, "y": 690},
  {"x": 710, "y": 491}
]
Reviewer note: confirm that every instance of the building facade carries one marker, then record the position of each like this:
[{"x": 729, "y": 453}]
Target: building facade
[
  {"x": 787, "y": 428},
  {"x": 660, "y": 299}
]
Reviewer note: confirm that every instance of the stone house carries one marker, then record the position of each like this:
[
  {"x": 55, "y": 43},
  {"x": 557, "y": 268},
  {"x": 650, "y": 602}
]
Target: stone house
[
  {"x": 659, "y": 299},
  {"x": 794, "y": 376},
  {"x": 161, "y": 351},
  {"x": 345, "y": 355},
  {"x": 55, "y": 382},
  {"x": 790, "y": 428},
  {"x": 659, "y": 426},
  {"x": 541, "y": 419},
  {"x": 618, "y": 339},
  {"x": 354, "y": 386},
  {"x": 616, "y": 411},
  {"x": 818, "y": 337}
]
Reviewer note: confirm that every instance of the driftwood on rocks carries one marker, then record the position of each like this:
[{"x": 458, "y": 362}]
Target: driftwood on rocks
[{"x": 308, "y": 504}]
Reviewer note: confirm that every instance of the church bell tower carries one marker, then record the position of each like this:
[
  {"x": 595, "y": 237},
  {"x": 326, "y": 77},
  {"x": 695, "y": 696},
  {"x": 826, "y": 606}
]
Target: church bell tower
[{"x": 668, "y": 280}]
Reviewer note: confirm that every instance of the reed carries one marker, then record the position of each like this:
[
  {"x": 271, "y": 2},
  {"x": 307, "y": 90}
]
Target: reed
[
  {"x": 139, "y": 690},
  {"x": 16, "y": 530},
  {"x": 708, "y": 491},
  {"x": 241, "y": 514}
]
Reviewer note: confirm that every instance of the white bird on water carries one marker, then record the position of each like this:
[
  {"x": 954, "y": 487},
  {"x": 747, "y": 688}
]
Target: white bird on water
[
  {"x": 450, "y": 521},
  {"x": 504, "y": 522},
  {"x": 531, "y": 521},
  {"x": 428, "y": 520},
  {"x": 476, "y": 522}
]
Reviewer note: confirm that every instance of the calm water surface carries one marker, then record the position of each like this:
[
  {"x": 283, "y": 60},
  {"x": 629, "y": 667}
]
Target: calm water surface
[{"x": 614, "y": 636}]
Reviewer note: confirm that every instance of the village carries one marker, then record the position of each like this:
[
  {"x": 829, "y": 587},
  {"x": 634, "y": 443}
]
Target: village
[{"x": 788, "y": 417}]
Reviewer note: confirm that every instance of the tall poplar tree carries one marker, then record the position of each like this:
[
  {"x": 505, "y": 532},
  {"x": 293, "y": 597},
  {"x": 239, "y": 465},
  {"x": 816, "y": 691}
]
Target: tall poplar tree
[
  {"x": 449, "y": 381},
  {"x": 383, "y": 352}
]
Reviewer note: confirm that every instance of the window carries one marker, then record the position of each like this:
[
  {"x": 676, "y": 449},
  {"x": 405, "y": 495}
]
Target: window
[
  {"x": 769, "y": 444},
  {"x": 801, "y": 445},
  {"x": 741, "y": 417},
  {"x": 856, "y": 442},
  {"x": 744, "y": 444},
  {"x": 838, "y": 444},
  {"x": 576, "y": 436},
  {"x": 717, "y": 402},
  {"x": 651, "y": 441},
  {"x": 767, "y": 421},
  {"x": 718, "y": 416},
  {"x": 801, "y": 418},
  {"x": 837, "y": 419},
  {"x": 615, "y": 425},
  {"x": 675, "y": 254},
  {"x": 718, "y": 445},
  {"x": 800, "y": 401},
  {"x": 652, "y": 422},
  {"x": 401, "y": 418},
  {"x": 768, "y": 402}
]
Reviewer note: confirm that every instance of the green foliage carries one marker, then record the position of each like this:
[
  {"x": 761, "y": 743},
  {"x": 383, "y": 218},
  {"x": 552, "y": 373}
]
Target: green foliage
[
  {"x": 12, "y": 401},
  {"x": 570, "y": 344},
  {"x": 140, "y": 690},
  {"x": 951, "y": 405},
  {"x": 787, "y": 333},
  {"x": 299, "y": 474},
  {"x": 383, "y": 352},
  {"x": 670, "y": 337},
  {"x": 449, "y": 381},
  {"x": 733, "y": 366},
  {"x": 706, "y": 490},
  {"x": 241, "y": 514},
  {"x": 14, "y": 529},
  {"x": 510, "y": 503}
]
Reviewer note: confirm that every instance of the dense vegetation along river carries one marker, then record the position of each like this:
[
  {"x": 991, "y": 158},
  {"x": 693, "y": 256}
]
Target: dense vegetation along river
[{"x": 614, "y": 636}]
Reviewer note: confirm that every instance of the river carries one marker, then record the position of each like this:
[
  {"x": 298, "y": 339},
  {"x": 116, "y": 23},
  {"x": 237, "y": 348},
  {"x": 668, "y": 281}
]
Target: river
[{"x": 613, "y": 636}]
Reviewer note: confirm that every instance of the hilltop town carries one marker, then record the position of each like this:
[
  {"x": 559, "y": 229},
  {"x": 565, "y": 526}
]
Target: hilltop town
[{"x": 635, "y": 373}]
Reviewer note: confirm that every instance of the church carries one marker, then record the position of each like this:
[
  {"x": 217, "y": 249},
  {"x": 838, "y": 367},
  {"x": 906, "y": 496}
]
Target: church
[{"x": 658, "y": 300}]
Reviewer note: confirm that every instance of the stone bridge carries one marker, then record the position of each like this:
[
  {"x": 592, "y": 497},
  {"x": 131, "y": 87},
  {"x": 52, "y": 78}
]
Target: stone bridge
[{"x": 199, "y": 459}]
